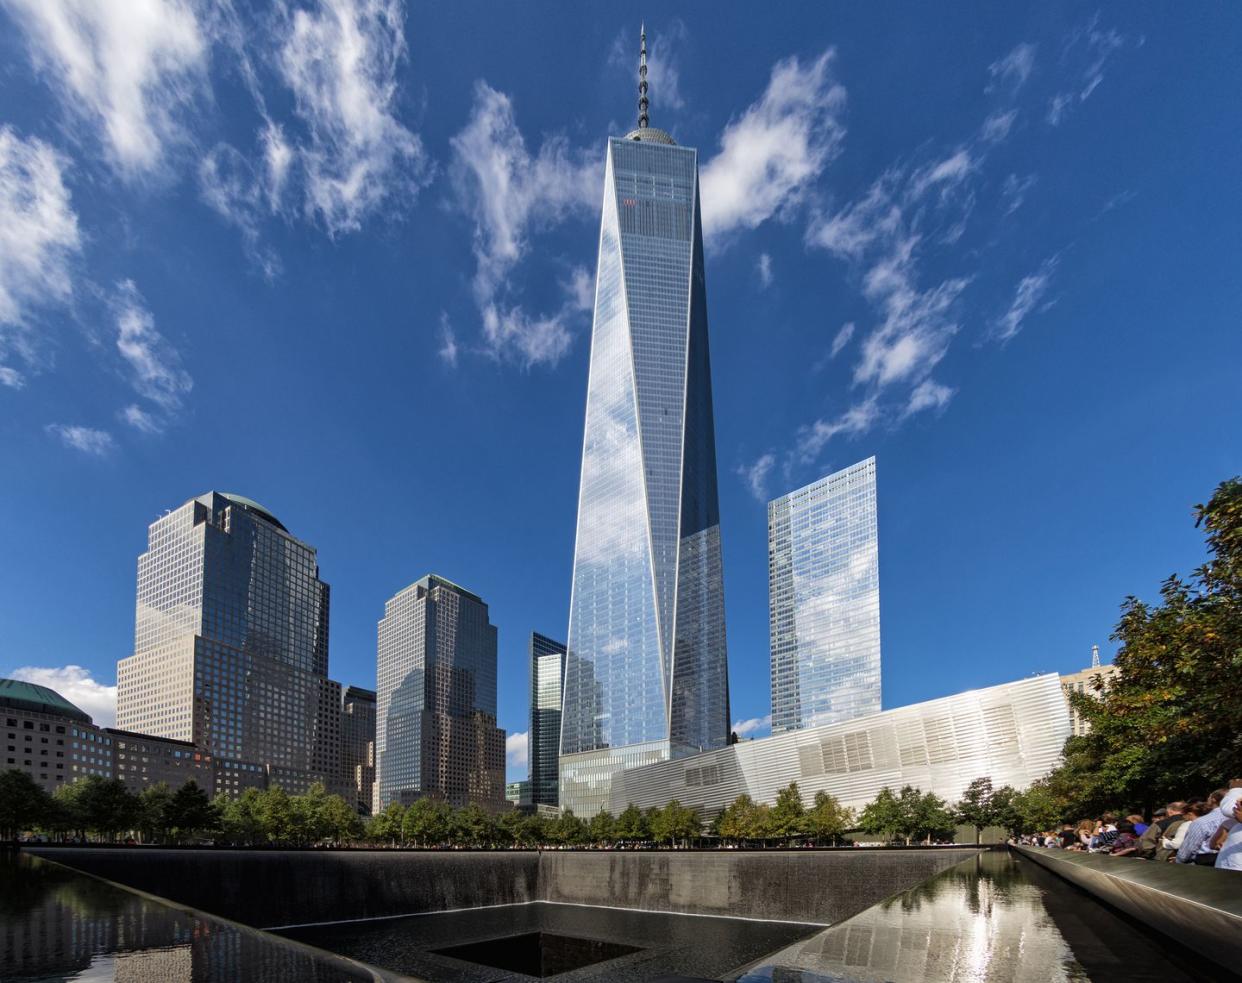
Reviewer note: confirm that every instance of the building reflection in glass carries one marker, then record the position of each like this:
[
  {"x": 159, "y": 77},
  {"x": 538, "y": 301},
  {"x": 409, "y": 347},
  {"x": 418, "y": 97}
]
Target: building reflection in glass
[{"x": 56, "y": 924}]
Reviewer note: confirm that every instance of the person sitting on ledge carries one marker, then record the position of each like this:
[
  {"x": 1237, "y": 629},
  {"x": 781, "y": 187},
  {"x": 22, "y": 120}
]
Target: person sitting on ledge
[
  {"x": 1105, "y": 833},
  {"x": 1125, "y": 843},
  {"x": 1175, "y": 835},
  {"x": 1149, "y": 842},
  {"x": 1196, "y": 845},
  {"x": 1140, "y": 827},
  {"x": 1228, "y": 839}
]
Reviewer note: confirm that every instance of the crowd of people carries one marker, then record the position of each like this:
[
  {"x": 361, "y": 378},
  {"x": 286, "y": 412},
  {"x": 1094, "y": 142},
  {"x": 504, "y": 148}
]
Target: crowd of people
[{"x": 1206, "y": 832}]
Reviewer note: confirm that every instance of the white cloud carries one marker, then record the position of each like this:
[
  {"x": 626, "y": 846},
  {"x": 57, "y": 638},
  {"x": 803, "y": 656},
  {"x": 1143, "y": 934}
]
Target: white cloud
[
  {"x": 1099, "y": 46},
  {"x": 842, "y": 338},
  {"x": 228, "y": 184},
  {"x": 155, "y": 366},
  {"x": 943, "y": 175},
  {"x": 928, "y": 395},
  {"x": 1014, "y": 191},
  {"x": 854, "y": 422},
  {"x": 39, "y": 239},
  {"x": 516, "y": 750},
  {"x": 448, "y": 342},
  {"x": 141, "y": 420},
  {"x": 340, "y": 60},
  {"x": 756, "y": 476},
  {"x": 85, "y": 439},
  {"x": 997, "y": 126},
  {"x": 764, "y": 267},
  {"x": 1030, "y": 291},
  {"x": 1058, "y": 105},
  {"x": 771, "y": 155},
  {"x": 510, "y": 194},
  {"x": 580, "y": 288},
  {"x": 752, "y": 726},
  {"x": 1013, "y": 70},
  {"x": 77, "y": 686},
  {"x": 133, "y": 66}
]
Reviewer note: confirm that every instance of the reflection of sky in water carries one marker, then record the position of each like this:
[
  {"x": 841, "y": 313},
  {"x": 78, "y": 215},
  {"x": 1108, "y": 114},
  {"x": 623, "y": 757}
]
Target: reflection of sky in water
[{"x": 993, "y": 919}]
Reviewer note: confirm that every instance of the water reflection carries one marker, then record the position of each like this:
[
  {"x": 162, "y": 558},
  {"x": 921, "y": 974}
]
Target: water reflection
[
  {"x": 56, "y": 924},
  {"x": 993, "y": 919}
]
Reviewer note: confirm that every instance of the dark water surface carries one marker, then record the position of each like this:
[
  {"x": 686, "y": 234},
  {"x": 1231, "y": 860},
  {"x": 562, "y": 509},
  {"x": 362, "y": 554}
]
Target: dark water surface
[{"x": 997, "y": 918}]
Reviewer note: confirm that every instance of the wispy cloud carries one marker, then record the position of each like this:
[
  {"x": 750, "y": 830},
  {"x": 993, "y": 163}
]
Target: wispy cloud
[
  {"x": 928, "y": 395},
  {"x": 753, "y": 726},
  {"x": 1012, "y": 71},
  {"x": 842, "y": 338},
  {"x": 764, "y": 268},
  {"x": 229, "y": 184},
  {"x": 1014, "y": 191},
  {"x": 517, "y": 749},
  {"x": 155, "y": 369},
  {"x": 1026, "y": 298},
  {"x": 134, "y": 68},
  {"x": 997, "y": 126},
  {"x": 98, "y": 443},
  {"x": 39, "y": 240},
  {"x": 756, "y": 476},
  {"x": 1089, "y": 48},
  {"x": 510, "y": 194},
  {"x": 772, "y": 154},
  {"x": 76, "y": 685},
  {"x": 855, "y": 421},
  {"x": 664, "y": 43},
  {"x": 141, "y": 420},
  {"x": 448, "y": 342}
]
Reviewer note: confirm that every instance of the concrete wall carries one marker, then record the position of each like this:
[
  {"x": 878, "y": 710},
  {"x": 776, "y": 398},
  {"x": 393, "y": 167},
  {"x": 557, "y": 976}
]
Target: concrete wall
[
  {"x": 267, "y": 889},
  {"x": 1198, "y": 907}
]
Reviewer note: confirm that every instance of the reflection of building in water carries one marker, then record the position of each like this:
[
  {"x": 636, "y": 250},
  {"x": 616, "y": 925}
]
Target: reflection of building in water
[
  {"x": 1013, "y": 732},
  {"x": 1083, "y": 682}
]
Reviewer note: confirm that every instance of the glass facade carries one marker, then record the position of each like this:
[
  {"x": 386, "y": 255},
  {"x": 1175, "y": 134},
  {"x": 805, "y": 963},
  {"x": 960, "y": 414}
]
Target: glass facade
[
  {"x": 547, "y": 669},
  {"x": 435, "y": 726},
  {"x": 824, "y": 601},
  {"x": 358, "y": 745},
  {"x": 646, "y": 661},
  {"x": 231, "y": 646}
]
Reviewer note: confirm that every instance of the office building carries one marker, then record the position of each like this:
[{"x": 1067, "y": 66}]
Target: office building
[
  {"x": 518, "y": 795},
  {"x": 140, "y": 760},
  {"x": 547, "y": 670},
  {"x": 358, "y": 746},
  {"x": 231, "y": 647},
  {"x": 1083, "y": 682},
  {"x": 824, "y": 601},
  {"x": 435, "y": 726},
  {"x": 646, "y": 675},
  {"x": 1012, "y": 733}
]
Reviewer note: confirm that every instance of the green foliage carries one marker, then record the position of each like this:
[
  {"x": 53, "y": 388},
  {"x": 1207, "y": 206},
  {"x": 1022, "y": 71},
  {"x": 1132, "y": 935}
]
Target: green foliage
[
  {"x": 472, "y": 826},
  {"x": 23, "y": 804},
  {"x": 788, "y": 815},
  {"x": 602, "y": 827},
  {"x": 675, "y": 823},
  {"x": 908, "y": 815},
  {"x": 567, "y": 829},
  {"x": 883, "y": 816},
  {"x": 427, "y": 822},
  {"x": 387, "y": 826},
  {"x": 975, "y": 808},
  {"x": 103, "y": 806},
  {"x": 632, "y": 825},
  {"x": 1167, "y": 724},
  {"x": 153, "y": 812},
  {"x": 187, "y": 812},
  {"x": 827, "y": 819}
]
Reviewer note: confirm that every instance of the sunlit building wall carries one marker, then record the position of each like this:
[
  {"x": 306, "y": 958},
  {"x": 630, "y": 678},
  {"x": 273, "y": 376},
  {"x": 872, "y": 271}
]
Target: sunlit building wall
[{"x": 547, "y": 671}]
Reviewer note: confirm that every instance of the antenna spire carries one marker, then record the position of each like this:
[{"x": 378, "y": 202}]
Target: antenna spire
[
  {"x": 1095, "y": 657},
  {"x": 642, "y": 78}
]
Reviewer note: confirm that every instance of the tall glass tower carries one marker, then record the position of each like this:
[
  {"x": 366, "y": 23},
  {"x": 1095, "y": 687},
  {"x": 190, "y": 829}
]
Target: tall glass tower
[
  {"x": 646, "y": 674},
  {"x": 824, "y": 601},
  {"x": 547, "y": 673}
]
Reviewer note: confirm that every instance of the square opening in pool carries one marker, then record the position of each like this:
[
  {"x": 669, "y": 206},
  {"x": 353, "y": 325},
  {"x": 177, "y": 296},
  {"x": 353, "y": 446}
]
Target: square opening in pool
[{"x": 538, "y": 953}]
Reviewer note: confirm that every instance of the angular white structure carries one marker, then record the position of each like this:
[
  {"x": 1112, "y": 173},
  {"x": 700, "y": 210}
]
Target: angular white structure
[{"x": 1012, "y": 733}]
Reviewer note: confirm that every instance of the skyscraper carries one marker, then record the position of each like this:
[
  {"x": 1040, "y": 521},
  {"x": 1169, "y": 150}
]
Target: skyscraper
[
  {"x": 358, "y": 745},
  {"x": 231, "y": 646},
  {"x": 824, "y": 601},
  {"x": 646, "y": 674},
  {"x": 547, "y": 671},
  {"x": 435, "y": 728}
]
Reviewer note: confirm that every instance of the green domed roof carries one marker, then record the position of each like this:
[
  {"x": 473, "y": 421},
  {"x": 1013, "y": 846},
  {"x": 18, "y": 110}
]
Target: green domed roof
[
  {"x": 251, "y": 505},
  {"x": 38, "y": 699}
]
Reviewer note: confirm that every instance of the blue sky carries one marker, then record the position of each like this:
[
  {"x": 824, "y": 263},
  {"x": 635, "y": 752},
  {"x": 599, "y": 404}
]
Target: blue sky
[{"x": 334, "y": 257}]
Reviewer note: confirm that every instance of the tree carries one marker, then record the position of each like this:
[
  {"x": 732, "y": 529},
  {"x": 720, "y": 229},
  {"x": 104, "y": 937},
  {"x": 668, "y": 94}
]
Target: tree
[
  {"x": 789, "y": 814},
  {"x": 276, "y": 817},
  {"x": 733, "y": 823},
  {"x": 1005, "y": 808},
  {"x": 239, "y": 818},
  {"x": 975, "y": 807},
  {"x": 567, "y": 829},
  {"x": 928, "y": 816},
  {"x": 23, "y": 804},
  {"x": 102, "y": 805},
  {"x": 189, "y": 811},
  {"x": 674, "y": 823},
  {"x": 341, "y": 820},
  {"x": 602, "y": 827},
  {"x": 386, "y": 826},
  {"x": 427, "y": 822},
  {"x": 509, "y": 827},
  {"x": 883, "y": 816},
  {"x": 827, "y": 819},
  {"x": 1037, "y": 808},
  {"x": 1167, "y": 723},
  {"x": 471, "y": 826},
  {"x": 632, "y": 825},
  {"x": 153, "y": 803},
  {"x": 533, "y": 830}
]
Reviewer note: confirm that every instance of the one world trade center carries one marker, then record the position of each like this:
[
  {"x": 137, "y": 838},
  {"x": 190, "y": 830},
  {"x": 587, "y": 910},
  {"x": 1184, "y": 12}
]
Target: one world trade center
[{"x": 646, "y": 674}]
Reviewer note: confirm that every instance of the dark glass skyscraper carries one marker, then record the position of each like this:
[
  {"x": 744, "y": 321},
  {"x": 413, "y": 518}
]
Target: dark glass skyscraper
[
  {"x": 646, "y": 673},
  {"x": 547, "y": 671},
  {"x": 435, "y": 727}
]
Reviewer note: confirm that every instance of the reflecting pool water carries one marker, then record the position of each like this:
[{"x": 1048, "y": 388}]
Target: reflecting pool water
[{"x": 995, "y": 919}]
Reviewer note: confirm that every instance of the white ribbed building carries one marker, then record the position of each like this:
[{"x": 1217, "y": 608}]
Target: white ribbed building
[{"x": 1012, "y": 733}]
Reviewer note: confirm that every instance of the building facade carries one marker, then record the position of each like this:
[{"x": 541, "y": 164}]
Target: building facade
[
  {"x": 518, "y": 794},
  {"x": 140, "y": 760},
  {"x": 646, "y": 675},
  {"x": 358, "y": 746},
  {"x": 547, "y": 672},
  {"x": 231, "y": 647},
  {"x": 436, "y": 731},
  {"x": 1084, "y": 681},
  {"x": 1012, "y": 733},
  {"x": 824, "y": 601}
]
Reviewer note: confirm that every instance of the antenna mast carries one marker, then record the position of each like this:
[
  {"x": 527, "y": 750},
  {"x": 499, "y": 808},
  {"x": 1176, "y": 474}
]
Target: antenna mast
[{"x": 642, "y": 78}]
